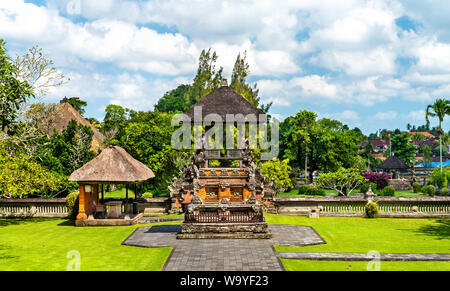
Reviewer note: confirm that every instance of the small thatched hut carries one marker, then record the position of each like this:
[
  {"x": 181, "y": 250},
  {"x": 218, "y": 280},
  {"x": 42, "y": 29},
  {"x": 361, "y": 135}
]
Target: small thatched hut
[
  {"x": 112, "y": 166},
  {"x": 393, "y": 163}
]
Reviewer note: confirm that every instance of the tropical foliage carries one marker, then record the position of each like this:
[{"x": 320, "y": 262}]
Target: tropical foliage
[
  {"x": 278, "y": 171},
  {"x": 344, "y": 181}
]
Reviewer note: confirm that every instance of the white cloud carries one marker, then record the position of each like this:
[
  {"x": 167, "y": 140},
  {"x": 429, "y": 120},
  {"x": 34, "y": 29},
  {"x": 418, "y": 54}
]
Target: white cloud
[{"x": 386, "y": 115}]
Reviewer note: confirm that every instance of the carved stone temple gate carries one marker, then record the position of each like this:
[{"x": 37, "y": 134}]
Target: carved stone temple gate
[{"x": 222, "y": 201}]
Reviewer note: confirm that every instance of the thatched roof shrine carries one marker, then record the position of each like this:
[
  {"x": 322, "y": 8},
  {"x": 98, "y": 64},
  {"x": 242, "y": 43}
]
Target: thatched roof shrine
[
  {"x": 393, "y": 163},
  {"x": 112, "y": 165},
  {"x": 223, "y": 101}
]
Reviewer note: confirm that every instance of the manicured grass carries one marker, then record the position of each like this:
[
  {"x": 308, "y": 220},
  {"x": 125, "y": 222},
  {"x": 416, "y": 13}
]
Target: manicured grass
[
  {"x": 361, "y": 235},
  {"x": 43, "y": 244},
  {"x": 119, "y": 193},
  {"x": 294, "y": 193}
]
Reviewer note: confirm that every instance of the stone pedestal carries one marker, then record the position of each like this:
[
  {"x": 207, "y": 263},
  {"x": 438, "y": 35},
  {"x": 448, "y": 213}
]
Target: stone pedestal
[
  {"x": 203, "y": 221},
  {"x": 258, "y": 230},
  {"x": 114, "y": 209}
]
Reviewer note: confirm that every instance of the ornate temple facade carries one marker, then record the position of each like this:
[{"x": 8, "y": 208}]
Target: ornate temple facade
[{"x": 224, "y": 201}]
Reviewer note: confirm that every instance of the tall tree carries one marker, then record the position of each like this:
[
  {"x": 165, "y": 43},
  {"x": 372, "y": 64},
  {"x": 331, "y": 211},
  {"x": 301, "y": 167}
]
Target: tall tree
[
  {"x": 208, "y": 77},
  {"x": 440, "y": 108},
  {"x": 177, "y": 100},
  {"x": 317, "y": 144},
  {"x": 37, "y": 69},
  {"x": 403, "y": 149},
  {"x": 13, "y": 91},
  {"x": 239, "y": 75}
]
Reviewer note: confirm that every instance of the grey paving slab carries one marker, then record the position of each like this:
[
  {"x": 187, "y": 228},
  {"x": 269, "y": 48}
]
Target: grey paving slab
[
  {"x": 223, "y": 254},
  {"x": 363, "y": 256}
]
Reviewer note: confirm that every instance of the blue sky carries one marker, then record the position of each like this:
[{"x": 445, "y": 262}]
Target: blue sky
[{"x": 370, "y": 64}]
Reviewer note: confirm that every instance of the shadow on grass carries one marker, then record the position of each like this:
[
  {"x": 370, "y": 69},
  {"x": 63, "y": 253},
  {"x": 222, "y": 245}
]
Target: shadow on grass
[
  {"x": 15, "y": 221},
  {"x": 69, "y": 222},
  {"x": 440, "y": 230}
]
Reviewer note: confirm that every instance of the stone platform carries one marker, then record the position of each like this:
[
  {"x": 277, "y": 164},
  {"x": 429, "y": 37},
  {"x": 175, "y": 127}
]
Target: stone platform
[
  {"x": 255, "y": 230},
  {"x": 223, "y": 254}
]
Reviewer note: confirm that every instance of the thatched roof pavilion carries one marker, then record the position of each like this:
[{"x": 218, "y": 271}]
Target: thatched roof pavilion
[
  {"x": 223, "y": 101},
  {"x": 393, "y": 163},
  {"x": 112, "y": 166}
]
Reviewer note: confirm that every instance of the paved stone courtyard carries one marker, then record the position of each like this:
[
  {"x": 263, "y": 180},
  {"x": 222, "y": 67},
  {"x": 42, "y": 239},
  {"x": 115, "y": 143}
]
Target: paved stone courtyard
[
  {"x": 248, "y": 254},
  {"x": 223, "y": 254}
]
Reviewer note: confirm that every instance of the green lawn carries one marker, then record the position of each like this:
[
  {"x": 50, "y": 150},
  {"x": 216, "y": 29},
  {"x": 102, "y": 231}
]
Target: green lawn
[
  {"x": 43, "y": 244},
  {"x": 360, "y": 235},
  {"x": 119, "y": 194}
]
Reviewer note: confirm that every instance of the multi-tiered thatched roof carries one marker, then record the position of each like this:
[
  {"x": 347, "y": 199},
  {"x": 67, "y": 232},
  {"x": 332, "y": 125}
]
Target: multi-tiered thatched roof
[{"x": 223, "y": 101}]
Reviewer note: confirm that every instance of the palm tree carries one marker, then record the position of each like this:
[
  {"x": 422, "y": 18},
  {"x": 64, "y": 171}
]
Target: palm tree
[{"x": 440, "y": 108}]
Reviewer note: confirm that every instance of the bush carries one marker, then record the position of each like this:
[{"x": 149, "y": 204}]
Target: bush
[
  {"x": 147, "y": 195},
  {"x": 72, "y": 204},
  {"x": 364, "y": 188},
  {"x": 279, "y": 172},
  {"x": 371, "y": 209},
  {"x": 429, "y": 190},
  {"x": 381, "y": 180},
  {"x": 303, "y": 189},
  {"x": 314, "y": 190},
  {"x": 444, "y": 192},
  {"x": 344, "y": 181},
  {"x": 416, "y": 187},
  {"x": 388, "y": 191}
]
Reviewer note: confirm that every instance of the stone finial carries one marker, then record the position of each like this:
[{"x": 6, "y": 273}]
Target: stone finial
[
  {"x": 224, "y": 82},
  {"x": 369, "y": 192}
]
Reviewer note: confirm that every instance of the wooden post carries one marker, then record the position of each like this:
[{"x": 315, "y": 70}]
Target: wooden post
[
  {"x": 126, "y": 201},
  {"x": 103, "y": 195},
  {"x": 81, "y": 210}
]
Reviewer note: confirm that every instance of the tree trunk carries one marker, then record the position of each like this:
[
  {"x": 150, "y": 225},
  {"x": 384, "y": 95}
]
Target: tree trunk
[{"x": 440, "y": 150}]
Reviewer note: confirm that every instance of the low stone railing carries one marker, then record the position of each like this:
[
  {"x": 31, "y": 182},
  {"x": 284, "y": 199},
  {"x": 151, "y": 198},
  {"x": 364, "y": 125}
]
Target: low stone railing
[
  {"x": 33, "y": 208},
  {"x": 355, "y": 206}
]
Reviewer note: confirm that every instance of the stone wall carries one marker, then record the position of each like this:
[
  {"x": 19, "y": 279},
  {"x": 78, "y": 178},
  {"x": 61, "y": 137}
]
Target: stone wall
[
  {"x": 24, "y": 208},
  {"x": 354, "y": 206}
]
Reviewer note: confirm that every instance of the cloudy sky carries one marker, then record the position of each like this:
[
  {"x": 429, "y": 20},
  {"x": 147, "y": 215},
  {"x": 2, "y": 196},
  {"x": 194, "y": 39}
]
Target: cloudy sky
[{"x": 370, "y": 64}]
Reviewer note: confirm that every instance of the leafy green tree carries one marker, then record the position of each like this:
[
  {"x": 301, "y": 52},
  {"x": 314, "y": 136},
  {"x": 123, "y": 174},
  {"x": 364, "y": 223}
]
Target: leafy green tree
[
  {"x": 440, "y": 108},
  {"x": 68, "y": 150},
  {"x": 403, "y": 149},
  {"x": 13, "y": 91},
  {"x": 314, "y": 144},
  {"x": 147, "y": 138},
  {"x": 20, "y": 177},
  {"x": 437, "y": 151},
  {"x": 208, "y": 78},
  {"x": 177, "y": 100},
  {"x": 114, "y": 123},
  {"x": 344, "y": 181},
  {"x": 239, "y": 75},
  {"x": 427, "y": 153},
  {"x": 279, "y": 172}
]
